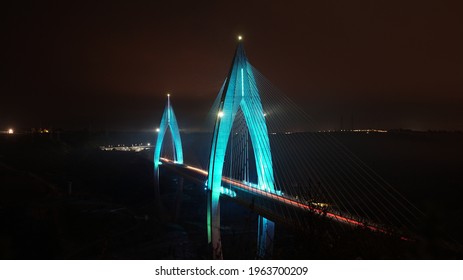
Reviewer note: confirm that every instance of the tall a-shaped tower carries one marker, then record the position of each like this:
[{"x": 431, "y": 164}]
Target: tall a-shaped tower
[
  {"x": 168, "y": 121},
  {"x": 240, "y": 92}
]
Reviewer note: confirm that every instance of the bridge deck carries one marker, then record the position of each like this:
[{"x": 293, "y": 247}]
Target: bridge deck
[{"x": 271, "y": 205}]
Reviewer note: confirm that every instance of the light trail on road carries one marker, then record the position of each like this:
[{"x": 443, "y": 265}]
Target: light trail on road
[{"x": 288, "y": 201}]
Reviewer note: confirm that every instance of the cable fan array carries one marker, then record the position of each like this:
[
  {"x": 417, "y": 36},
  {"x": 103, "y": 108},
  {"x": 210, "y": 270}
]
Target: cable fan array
[{"x": 310, "y": 168}]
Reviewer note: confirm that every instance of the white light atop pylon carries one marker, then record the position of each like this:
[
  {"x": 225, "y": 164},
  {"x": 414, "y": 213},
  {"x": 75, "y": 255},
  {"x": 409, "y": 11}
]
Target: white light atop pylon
[
  {"x": 168, "y": 95},
  {"x": 220, "y": 114},
  {"x": 240, "y": 37}
]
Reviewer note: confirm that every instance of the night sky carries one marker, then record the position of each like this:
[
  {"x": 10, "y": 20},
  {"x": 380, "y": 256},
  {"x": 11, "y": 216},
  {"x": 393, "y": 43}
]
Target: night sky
[{"x": 108, "y": 64}]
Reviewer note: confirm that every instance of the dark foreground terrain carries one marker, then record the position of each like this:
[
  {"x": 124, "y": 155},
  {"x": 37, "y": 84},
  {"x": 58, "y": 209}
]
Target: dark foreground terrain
[{"x": 63, "y": 198}]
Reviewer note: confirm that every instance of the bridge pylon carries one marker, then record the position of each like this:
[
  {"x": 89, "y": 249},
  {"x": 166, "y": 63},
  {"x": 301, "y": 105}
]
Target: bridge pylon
[
  {"x": 168, "y": 121},
  {"x": 240, "y": 92}
]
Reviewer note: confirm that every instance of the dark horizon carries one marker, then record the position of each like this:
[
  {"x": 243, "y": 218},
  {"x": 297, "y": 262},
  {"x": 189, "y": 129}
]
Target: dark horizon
[{"x": 108, "y": 65}]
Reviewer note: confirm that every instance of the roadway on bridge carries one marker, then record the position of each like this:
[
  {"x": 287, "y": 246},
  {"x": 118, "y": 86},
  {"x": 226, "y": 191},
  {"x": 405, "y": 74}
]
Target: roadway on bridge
[{"x": 279, "y": 198}]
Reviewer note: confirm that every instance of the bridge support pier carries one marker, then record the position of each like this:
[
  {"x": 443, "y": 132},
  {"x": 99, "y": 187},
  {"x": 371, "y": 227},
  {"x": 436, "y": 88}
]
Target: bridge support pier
[
  {"x": 178, "y": 199},
  {"x": 157, "y": 191},
  {"x": 213, "y": 224},
  {"x": 265, "y": 235}
]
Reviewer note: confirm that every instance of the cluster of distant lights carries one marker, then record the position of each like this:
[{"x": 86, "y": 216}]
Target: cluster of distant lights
[
  {"x": 123, "y": 145},
  {"x": 129, "y": 148},
  {"x": 11, "y": 131},
  {"x": 356, "y": 130}
]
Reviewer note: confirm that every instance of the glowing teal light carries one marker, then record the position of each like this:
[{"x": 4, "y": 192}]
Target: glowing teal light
[
  {"x": 168, "y": 121},
  {"x": 240, "y": 92},
  {"x": 227, "y": 192}
]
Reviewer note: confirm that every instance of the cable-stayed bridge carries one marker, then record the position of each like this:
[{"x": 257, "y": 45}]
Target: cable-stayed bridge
[{"x": 264, "y": 152}]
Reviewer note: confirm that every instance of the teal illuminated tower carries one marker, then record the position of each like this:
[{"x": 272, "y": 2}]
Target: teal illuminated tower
[
  {"x": 168, "y": 121},
  {"x": 239, "y": 93}
]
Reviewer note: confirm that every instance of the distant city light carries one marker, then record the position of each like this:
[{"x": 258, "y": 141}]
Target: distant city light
[
  {"x": 367, "y": 131},
  {"x": 157, "y": 129},
  {"x": 240, "y": 38},
  {"x": 124, "y": 148},
  {"x": 220, "y": 114},
  {"x": 265, "y": 114},
  {"x": 10, "y": 131}
]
